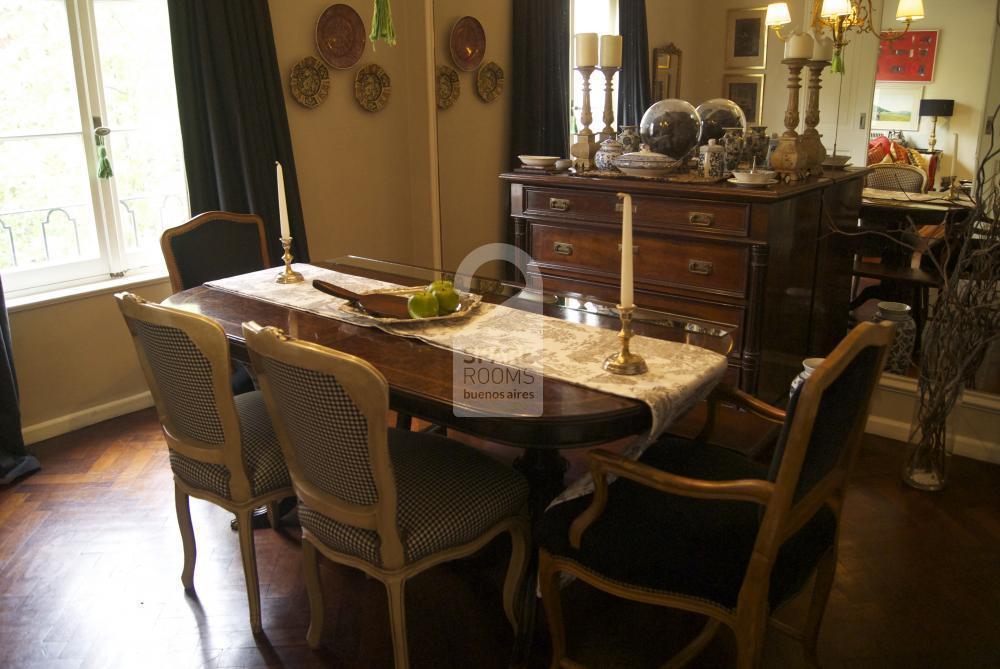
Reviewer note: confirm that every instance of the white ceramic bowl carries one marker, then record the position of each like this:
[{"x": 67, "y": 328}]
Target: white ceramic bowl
[
  {"x": 539, "y": 161},
  {"x": 836, "y": 161},
  {"x": 755, "y": 177},
  {"x": 564, "y": 163}
]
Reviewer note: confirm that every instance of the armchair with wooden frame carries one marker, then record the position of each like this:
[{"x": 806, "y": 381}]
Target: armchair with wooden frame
[{"x": 707, "y": 530}]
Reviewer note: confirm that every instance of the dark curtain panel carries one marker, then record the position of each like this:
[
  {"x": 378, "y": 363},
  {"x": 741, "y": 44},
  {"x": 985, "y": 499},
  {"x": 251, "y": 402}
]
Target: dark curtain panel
[
  {"x": 540, "y": 78},
  {"x": 633, "y": 80},
  {"x": 232, "y": 113},
  {"x": 14, "y": 461}
]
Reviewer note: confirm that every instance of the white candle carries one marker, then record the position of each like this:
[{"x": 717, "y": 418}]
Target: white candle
[
  {"x": 611, "y": 50},
  {"x": 627, "y": 294},
  {"x": 586, "y": 49},
  {"x": 799, "y": 45},
  {"x": 954, "y": 155},
  {"x": 823, "y": 49},
  {"x": 282, "y": 205}
]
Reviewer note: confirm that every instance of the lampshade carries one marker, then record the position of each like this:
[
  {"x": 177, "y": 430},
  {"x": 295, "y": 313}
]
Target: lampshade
[
  {"x": 910, "y": 10},
  {"x": 777, "y": 14},
  {"x": 832, "y": 8},
  {"x": 930, "y": 107}
]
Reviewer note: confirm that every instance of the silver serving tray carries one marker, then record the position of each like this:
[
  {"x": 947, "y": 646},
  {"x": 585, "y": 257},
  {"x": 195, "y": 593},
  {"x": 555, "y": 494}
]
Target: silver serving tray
[{"x": 468, "y": 302}]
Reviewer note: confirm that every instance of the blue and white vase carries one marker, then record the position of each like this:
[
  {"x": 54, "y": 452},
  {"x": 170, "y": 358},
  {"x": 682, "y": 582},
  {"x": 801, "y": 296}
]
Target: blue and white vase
[{"x": 901, "y": 349}]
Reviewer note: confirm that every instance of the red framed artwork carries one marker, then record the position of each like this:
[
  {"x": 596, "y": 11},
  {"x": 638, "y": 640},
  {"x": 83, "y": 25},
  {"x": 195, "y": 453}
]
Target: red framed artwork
[{"x": 909, "y": 58}]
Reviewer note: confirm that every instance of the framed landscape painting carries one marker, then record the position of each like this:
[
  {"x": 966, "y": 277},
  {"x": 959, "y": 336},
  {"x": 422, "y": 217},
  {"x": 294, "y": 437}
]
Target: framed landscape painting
[
  {"x": 746, "y": 38},
  {"x": 747, "y": 91},
  {"x": 897, "y": 107}
]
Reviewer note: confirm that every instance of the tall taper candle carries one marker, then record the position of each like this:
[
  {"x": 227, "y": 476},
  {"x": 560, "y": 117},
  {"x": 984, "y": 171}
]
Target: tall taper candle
[
  {"x": 954, "y": 155},
  {"x": 627, "y": 295},
  {"x": 282, "y": 205}
]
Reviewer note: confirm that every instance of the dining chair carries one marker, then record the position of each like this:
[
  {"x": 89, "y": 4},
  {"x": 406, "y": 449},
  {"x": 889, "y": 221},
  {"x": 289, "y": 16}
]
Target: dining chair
[
  {"x": 222, "y": 447},
  {"x": 896, "y": 176},
  {"x": 214, "y": 245},
  {"x": 707, "y": 530},
  {"x": 389, "y": 502}
]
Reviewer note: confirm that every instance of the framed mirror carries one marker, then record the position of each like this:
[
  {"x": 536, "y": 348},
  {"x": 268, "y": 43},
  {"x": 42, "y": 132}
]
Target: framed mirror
[{"x": 666, "y": 71}]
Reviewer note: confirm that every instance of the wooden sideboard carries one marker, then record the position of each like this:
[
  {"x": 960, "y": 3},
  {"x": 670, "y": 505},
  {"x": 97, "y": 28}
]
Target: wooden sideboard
[{"x": 764, "y": 262}]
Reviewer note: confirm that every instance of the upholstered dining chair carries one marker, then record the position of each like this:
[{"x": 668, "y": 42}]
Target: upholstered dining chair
[
  {"x": 222, "y": 447},
  {"x": 707, "y": 530},
  {"x": 389, "y": 502},
  {"x": 896, "y": 176},
  {"x": 213, "y": 245}
]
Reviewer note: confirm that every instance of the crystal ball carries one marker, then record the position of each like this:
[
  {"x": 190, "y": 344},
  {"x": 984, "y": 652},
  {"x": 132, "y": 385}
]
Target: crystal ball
[
  {"x": 671, "y": 127},
  {"x": 718, "y": 114}
]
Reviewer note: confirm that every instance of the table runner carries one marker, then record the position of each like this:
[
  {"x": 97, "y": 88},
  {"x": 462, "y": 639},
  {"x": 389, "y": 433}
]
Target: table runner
[{"x": 679, "y": 374}]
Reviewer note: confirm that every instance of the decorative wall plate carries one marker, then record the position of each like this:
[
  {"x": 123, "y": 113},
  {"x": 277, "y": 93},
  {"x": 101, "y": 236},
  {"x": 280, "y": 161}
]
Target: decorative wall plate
[
  {"x": 467, "y": 43},
  {"x": 448, "y": 88},
  {"x": 310, "y": 82},
  {"x": 340, "y": 36},
  {"x": 372, "y": 87},
  {"x": 489, "y": 81}
]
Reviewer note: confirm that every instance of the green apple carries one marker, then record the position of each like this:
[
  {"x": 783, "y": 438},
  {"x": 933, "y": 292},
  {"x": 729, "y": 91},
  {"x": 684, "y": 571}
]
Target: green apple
[
  {"x": 422, "y": 305},
  {"x": 447, "y": 297}
]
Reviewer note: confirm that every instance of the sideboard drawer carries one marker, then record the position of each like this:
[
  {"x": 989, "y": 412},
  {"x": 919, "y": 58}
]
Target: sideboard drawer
[
  {"x": 699, "y": 264},
  {"x": 689, "y": 215}
]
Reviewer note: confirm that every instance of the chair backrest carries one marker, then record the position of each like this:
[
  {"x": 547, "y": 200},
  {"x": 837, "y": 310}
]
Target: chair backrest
[
  {"x": 896, "y": 176},
  {"x": 185, "y": 358},
  {"x": 214, "y": 245},
  {"x": 329, "y": 412}
]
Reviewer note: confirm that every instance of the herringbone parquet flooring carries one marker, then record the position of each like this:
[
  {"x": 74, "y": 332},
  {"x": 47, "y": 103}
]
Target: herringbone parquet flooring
[{"x": 90, "y": 562}]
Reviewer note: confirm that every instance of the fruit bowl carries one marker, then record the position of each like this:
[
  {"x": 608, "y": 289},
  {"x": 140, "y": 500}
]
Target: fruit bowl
[{"x": 468, "y": 302}]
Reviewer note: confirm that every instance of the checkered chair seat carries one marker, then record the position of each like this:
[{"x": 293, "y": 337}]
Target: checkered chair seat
[
  {"x": 262, "y": 456},
  {"x": 448, "y": 494}
]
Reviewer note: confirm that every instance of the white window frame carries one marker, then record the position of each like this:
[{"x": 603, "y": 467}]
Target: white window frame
[{"x": 596, "y": 80}]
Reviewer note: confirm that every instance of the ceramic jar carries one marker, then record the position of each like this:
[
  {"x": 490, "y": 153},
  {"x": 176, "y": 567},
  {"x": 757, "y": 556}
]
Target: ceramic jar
[
  {"x": 809, "y": 366},
  {"x": 646, "y": 163},
  {"x": 756, "y": 146},
  {"x": 629, "y": 137},
  {"x": 610, "y": 149},
  {"x": 712, "y": 160},
  {"x": 901, "y": 349},
  {"x": 732, "y": 142}
]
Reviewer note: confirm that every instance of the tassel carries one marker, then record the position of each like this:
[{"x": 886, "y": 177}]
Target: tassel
[
  {"x": 837, "y": 65},
  {"x": 104, "y": 170},
  {"x": 382, "y": 24}
]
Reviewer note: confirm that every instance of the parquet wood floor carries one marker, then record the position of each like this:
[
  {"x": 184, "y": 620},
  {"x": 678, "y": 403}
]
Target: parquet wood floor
[{"x": 90, "y": 561}]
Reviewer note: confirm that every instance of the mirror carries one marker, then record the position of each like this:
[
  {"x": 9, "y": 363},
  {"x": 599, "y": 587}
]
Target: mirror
[{"x": 666, "y": 72}]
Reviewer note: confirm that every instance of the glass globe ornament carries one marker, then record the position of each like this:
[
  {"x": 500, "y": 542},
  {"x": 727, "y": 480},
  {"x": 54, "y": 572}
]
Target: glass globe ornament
[
  {"x": 718, "y": 114},
  {"x": 671, "y": 127}
]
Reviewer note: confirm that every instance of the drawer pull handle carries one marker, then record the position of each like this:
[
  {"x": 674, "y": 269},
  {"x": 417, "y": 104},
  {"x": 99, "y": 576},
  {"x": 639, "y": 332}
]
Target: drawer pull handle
[
  {"x": 619, "y": 208},
  {"x": 558, "y": 204},
  {"x": 702, "y": 267},
  {"x": 635, "y": 249},
  {"x": 700, "y": 218},
  {"x": 563, "y": 248}
]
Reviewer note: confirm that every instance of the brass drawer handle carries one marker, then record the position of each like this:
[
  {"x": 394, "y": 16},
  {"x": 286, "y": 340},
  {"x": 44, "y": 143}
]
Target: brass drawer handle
[
  {"x": 635, "y": 249},
  {"x": 558, "y": 204},
  {"x": 563, "y": 248},
  {"x": 619, "y": 208},
  {"x": 700, "y": 218},
  {"x": 702, "y": 267}
]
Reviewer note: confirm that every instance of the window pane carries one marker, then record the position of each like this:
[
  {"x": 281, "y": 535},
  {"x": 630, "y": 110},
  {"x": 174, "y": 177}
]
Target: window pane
[
  {"x": 137, "y": 70},
  {"x": 593, "y": 16}
]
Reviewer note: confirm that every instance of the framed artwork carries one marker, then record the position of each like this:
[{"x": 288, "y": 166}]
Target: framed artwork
[
  {"x": 909, "y": 58},
  {"x": 747, "y": 91},
  {"x": 897, "y": 107},
  {"x": 746, "y": 38}
]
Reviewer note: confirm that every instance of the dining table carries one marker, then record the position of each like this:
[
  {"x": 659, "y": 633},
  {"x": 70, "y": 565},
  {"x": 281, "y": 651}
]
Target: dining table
[{"x": 421, "y": 378}]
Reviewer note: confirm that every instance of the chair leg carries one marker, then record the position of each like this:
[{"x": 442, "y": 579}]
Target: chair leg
[
  {"x": 245, "y": 521},
  {"x": 397, "y": 619},
  {"x": 691, "y": 651},
  {"x": 187, "y": 537},
  {"x": 310, "y": 564},
  {"x": 825, "y": 572},
  {"x": 548, "y": 582},
  {"x": 273, "y": 517},
  {"x": 519, "y": 538}
]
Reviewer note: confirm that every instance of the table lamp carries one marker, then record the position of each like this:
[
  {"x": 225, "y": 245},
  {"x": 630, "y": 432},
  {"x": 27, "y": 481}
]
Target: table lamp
[{"x": 935, "y": 109}]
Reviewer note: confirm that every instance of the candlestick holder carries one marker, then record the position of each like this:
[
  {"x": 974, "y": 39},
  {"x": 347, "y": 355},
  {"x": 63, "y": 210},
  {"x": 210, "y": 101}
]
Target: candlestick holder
[
  {"x": 811, "y": 142},
  {"x": 625, "y": 362},
  {"x": 288, "y": 275},
  {"x": 584, "y": 147},
  {"x": 609, "y": 113},
  {"x": 789, "y": 159}
]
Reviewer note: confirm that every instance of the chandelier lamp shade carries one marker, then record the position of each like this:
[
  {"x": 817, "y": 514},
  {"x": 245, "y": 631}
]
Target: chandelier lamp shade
[{"x": 841, "y": 17}]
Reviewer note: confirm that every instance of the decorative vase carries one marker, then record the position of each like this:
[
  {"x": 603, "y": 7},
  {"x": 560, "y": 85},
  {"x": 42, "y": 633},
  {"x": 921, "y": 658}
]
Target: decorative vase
[
  {"x": 610, "y": 149},
  {"x": 629, "y": 137},
  {"x": 756, "y": 145},
  {"x": 732, "y": 142},
  {"x": 931, "y": 443},
  {"x": 809, "y": 366},
  {"x": 901, "y": 349},
  {"x": 712, "y": 160}
]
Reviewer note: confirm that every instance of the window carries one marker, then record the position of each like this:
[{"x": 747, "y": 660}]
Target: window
[
  {"x": 591, "y": 16},
  {"x": 70, "y": 67}
]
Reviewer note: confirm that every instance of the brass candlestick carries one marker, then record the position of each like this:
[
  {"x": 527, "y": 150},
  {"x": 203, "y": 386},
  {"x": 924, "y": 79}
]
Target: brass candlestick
[
  {"x": 789, "y": 159},
  {"x": 625, "y": 362},
  {"x": 288, "y": 275},
  {"x": 815, "y": 151},
  {"x": 584, "y": 147},
  {"x": 609, "y": 113}
]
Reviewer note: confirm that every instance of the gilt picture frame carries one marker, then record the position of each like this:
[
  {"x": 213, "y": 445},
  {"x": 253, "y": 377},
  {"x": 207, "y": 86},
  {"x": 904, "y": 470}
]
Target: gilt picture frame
[
  {"x": 746, "y": 39},
  {"x": 747, "y": 91}
]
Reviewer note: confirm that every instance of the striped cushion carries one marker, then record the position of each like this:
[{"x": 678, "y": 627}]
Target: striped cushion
[
  {"x": 448, "y": 494},
  {"x": 262, "y": 456}
]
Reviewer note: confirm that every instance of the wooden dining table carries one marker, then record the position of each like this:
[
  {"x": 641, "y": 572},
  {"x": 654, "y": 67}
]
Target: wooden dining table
[{"x": 420, "y": 376}]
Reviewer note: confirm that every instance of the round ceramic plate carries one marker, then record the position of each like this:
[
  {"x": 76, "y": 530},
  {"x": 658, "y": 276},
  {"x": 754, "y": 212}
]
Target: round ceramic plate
[
  {"x": 448, "y": 88},
  {"x": 372, "y": 87},
  {"x": 467, "y": 43},
  {"x": 340, "y": 36},
  {"x": 310, "y": 82},
  {"x": 489, "y": 82},
  {"x": 752, "y": 184},
  {"x": 539, "y": 161}
]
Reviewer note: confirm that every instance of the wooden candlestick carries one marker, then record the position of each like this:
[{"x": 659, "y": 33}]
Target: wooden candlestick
[
  {"x": 584, "y": 147},
  {"x": 811, "y": 142},
  {"x": 789, "y": 159},
  {"x": 609, "y": 113}
]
